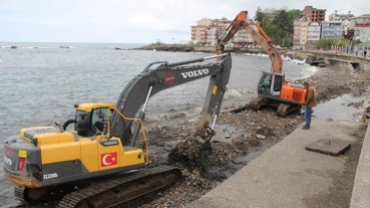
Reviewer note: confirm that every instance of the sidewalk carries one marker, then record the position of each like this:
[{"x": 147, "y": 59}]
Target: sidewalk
[{"x": 286, "y": 175}]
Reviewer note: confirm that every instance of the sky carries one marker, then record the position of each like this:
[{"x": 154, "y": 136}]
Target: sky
[{"x": 134, "y": 21}]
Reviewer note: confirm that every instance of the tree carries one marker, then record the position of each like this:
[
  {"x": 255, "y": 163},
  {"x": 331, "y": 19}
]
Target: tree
[
  {"x": 280, "y": 28},
  {"x": 259, "y": 15}
]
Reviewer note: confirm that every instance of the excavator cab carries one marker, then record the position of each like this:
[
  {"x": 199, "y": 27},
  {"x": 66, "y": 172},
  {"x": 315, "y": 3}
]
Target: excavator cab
[
  {"x": 92, "y": 118},
  {"x": 270, "y": 84}
]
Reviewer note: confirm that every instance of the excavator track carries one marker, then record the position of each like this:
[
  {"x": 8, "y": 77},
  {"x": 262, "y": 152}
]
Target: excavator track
[{"x": 107, "y": 193}]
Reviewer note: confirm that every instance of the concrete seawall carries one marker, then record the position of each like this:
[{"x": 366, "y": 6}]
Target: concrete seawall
[
  {"x": 345, "y": 60},
  {"x": 361, "y": 188}
]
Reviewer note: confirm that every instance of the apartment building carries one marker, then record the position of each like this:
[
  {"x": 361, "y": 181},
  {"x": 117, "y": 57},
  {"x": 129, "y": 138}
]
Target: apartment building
[
  {"x": 345, "y": 19},
  {"x": 208, "y": 31},
  {"x": 314, "y": 14},
  {"x": 300, "y": 32},
  {"x": 331, "y": 30},
  {"x": 220, "y": 26},
  {"x": 199, "y": 31},
  {"x": 361, "y": 26},
  {"x": 313, "y": 32}
]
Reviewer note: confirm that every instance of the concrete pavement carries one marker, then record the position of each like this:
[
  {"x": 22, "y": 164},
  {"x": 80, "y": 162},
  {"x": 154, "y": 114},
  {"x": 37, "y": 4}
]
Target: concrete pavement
[{"x": 286, "y": 175}]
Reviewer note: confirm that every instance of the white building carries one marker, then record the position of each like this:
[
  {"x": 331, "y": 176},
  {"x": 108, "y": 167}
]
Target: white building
[
  {"x": 361, "y": 25},
  {"x": 313, "y": 32},
  {"x": 345, "y": 19},
  {"x": 364, "y": 34}
]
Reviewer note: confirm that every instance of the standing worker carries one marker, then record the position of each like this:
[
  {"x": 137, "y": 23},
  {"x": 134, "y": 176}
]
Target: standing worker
[
  {"x": 365, "y": 51},
  {"x": 309, "y": 104}
]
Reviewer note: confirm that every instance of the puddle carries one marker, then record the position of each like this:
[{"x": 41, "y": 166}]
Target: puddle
[
  {"x": 226, "y": 133},
  {"x": 342, "y": 108}
]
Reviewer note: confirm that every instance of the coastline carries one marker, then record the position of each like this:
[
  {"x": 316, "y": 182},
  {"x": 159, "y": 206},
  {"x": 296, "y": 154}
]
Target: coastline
[{"x": 195, "y": 48}]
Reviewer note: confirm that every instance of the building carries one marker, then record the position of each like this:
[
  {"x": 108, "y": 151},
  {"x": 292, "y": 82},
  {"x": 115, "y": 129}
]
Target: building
[
  {"x": 313, "y": 32},
  {"x": 221, "y": 25},
  {"x": 208, "y": 31},
  {"x": 315, "y": 15},
  {"x": 364, "y": 34},
  {"x": 340, "y": 17},
  {"x": 199, "y": 31},
  {"x": 331, "y": 30},
  {"x": 345, "y": 19},
  {"x": 360, "y": 25},
  {"x": 300, "y": 32}
]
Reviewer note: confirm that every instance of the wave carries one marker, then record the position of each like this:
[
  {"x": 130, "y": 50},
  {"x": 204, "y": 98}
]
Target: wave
[
  {"x": 310, "y": 70},
  {"x": 231, "y": 93},
  {"x": 296, "y": 61}
]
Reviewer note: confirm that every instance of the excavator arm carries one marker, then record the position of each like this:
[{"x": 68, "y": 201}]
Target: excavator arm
[
  {"x": 241, "y": 21},
  {"x": 136, "y": 94}
]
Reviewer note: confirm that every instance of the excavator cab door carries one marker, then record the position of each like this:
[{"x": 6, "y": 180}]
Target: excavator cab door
[
  {"x": 91, "y": 123},
  {"x": 270, "y": 84},
  {"x": 99, "y": 120}
]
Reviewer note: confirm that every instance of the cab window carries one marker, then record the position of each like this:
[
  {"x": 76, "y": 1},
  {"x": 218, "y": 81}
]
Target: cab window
[
  {"x": 266, "y": 81},
  {"x": 99, "y": 118}
]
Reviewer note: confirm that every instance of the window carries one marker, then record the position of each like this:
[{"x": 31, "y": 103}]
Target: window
[
  {"x": 266, "y": 81},
  {"x": 99, "y": 118},
  {"x": 277, "y": 83}
]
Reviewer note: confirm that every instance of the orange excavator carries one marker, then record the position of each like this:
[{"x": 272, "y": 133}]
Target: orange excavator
[{"x": 273, "y": 89}]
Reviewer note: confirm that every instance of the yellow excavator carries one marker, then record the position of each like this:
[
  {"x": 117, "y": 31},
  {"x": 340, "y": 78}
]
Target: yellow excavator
[
  {"x": 97, "y": 164},
  {"x": 273, "y": 89}
]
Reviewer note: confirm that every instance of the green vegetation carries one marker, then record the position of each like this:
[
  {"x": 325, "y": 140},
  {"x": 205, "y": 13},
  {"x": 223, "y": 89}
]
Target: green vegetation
[
  {"x": 327, "y": 44},
  {"x": 278, "y": 24}
]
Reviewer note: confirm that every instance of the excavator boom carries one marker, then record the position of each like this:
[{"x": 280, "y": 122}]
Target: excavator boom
[
  {"x": 241, "y": 21},
  {"x": 272, "y": 88},
  {"x": 151, "y": 81}
]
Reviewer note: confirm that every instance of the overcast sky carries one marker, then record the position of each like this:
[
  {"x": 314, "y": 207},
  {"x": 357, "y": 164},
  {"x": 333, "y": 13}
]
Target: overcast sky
[{"x": 133, "y": 21}]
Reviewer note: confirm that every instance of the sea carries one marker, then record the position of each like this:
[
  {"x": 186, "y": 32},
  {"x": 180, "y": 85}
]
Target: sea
[{"x": 41, "y": 82}]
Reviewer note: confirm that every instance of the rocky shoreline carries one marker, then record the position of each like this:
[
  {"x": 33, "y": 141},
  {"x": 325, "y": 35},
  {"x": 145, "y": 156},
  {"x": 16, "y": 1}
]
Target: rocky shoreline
[{"x": 194, "y": 48}]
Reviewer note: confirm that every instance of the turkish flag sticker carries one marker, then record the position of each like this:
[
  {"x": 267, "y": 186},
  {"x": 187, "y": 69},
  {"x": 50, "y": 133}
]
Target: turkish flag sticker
[{"x": 108, "y": 159}]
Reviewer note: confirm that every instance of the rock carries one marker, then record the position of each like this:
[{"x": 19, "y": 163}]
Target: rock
[{"x": 260, "y": 136}]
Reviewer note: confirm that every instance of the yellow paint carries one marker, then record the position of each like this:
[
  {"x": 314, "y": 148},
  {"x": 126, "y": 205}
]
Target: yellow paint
[
  {"x": 60, "y": 152},
  {"x": 54, "y": 138},
  {"x": 89, "y": 154},
  {"x": 88, "y": 107},
  {"x": 214, "y": 89},
  {"x": 22, "y": 153},
  {"x": 132, "y": 157},
  {"x": 38, "y": 128}
]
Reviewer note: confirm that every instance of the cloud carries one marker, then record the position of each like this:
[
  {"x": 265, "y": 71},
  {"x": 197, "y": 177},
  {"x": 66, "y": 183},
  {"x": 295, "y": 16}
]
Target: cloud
[{"x": 129, "y": 21}]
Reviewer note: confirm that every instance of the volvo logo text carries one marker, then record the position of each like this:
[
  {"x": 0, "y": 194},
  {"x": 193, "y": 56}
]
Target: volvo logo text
[
  {"x": 7, "y": 160},
  {"x": 195, "y": 73}
]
